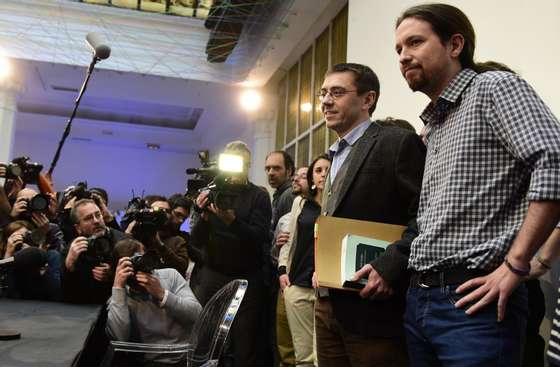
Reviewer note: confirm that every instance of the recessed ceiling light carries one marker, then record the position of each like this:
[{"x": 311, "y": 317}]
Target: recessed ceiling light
[{"x": 153, "y": 146}]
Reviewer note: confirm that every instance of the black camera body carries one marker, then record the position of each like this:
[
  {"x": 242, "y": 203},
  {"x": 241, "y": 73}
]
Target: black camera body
[
  {"x": 99, "y": 249},
  {"x": 38, "y": 204},
  {"x": 21, "y": 168},
  {"x": 145, "y": 263},
  {"x": 34, "y": 238},
  {"x": 223, "y": 192},
  {"x": 80, "y": 191},
  {"x": 202, "y": 176},
  {"x": 148, "y": 221}
]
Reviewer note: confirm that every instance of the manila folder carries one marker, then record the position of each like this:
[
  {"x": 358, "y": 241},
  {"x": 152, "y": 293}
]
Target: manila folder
[{"x": 329, "y": 233}]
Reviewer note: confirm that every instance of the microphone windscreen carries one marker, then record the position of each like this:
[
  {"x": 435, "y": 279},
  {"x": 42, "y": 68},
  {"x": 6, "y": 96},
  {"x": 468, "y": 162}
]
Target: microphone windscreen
[
  {"x": 98, "y": 46},
  {"x": 30, "y": 257}
]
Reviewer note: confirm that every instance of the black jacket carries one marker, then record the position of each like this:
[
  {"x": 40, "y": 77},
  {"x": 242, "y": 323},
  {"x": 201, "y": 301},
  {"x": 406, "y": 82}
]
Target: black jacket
[{"x": 382, "y": 184}]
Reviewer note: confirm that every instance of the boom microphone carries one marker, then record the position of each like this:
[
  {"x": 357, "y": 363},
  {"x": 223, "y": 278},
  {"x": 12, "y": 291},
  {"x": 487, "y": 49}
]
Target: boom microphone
[
  {"x": 30, "y": 257},
  {"x": 97, "y": 46}
]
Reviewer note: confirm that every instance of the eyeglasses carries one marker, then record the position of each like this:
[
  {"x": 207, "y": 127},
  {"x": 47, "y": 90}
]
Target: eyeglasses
[{"x": 335, "y": 93}]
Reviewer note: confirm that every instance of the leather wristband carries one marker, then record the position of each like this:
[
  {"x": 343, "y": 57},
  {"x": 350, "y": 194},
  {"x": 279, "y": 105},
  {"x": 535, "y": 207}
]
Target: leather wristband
[{"x": 517, "y": 271}]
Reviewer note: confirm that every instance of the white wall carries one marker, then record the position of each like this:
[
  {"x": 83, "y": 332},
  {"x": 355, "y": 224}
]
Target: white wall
[{"x": 524, "y": 35}]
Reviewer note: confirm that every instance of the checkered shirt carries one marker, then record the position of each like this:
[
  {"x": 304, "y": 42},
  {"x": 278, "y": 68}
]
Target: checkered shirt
[{"x": 493, "y": 146}]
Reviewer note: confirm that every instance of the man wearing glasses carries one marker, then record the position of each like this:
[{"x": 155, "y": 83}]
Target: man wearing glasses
[
  {"x": 87, "y": 274},
  {"x": 376, "y": 175}
]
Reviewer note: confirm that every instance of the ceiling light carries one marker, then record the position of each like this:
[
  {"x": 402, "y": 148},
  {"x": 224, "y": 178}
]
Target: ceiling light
[
  {"x": 251, "y": 100},
  {"x": 153, "y": 146}
]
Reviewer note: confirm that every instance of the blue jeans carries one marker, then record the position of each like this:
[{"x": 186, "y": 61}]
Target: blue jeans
[{"x": 438, "y": 334}]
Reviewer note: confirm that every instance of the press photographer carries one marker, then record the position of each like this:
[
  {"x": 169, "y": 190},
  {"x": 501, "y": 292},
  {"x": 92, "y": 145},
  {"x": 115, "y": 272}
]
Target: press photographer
[
  {"x": 30, "y": 266},
  {"x": 68, "y": 198},
  {"x": 87, "y": 271},
  {"x": 233, "y": 227},
  {"x": 156, "y": 307},
  {"x": 150, "y": 223},
  {"x": 17, "y": 174}
]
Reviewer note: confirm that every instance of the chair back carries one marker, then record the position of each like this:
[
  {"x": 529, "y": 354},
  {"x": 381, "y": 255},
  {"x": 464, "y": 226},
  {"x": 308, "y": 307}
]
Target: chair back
[{"x": 210, "y": 331}]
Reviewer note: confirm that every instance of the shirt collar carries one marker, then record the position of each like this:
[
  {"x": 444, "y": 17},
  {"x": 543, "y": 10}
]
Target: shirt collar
[
  {"x": 353, "y": 136},
  {"x": 450, "y": 96}
]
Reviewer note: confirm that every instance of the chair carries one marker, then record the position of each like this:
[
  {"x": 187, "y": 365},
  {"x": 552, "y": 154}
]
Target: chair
[{"x": 209, "y": 333}]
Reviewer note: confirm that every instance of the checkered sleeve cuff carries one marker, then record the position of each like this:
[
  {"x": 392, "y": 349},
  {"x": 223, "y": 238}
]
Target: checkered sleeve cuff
[{"x": 544, "y": 185}]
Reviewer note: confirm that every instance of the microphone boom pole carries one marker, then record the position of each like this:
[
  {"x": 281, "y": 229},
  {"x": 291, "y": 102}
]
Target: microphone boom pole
[
  {"x": 100, "y": 52},
  {"x": 69, "y": 123}
]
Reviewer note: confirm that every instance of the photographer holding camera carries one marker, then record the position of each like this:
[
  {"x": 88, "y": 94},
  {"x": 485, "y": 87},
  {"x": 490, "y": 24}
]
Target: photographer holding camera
[
  {"x": 149, "y": 305},
  {"x": 231, "y": 238},
  {"x": 32, "y": 268},
  {"x": 87, "y": 272},
  {"x": 149, "y": 221}
]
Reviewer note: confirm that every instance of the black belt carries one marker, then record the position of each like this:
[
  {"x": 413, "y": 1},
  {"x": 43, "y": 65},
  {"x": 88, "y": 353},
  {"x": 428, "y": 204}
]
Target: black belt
[{"x": 453, "y": 276}]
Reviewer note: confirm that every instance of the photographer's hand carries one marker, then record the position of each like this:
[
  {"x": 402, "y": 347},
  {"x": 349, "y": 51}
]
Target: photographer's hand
[
  {"x": 13, "y": 241},
  {"x": 130, "y": 227},
  {"x": 2, "y": 170},
  {"x": 41, "y": 221},
  {"x": 70, "y": 203},
  {"x": 201, "y": 202},
  {"x": 102, "y": 273},
  {"x": 19, "y": 207},
  {"x": 124, "y": 271},
  {"x": 107, "y": 216},
  {"x": 17, "y": 185},
  {"x": 79, "y": 245},
  {"x": 151, "y": 284}
]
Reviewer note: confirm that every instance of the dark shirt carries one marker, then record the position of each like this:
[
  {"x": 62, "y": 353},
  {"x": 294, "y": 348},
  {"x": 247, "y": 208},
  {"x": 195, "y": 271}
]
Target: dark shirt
[
  {"x": 79, "y": 286},
  {"x": 303, "y": 262},
  {"x": 236, "y": 249},
  {"x": 282, "y": 200}
]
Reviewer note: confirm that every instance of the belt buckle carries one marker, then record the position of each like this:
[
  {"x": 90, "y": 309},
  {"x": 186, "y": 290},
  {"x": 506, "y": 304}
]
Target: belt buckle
[{"x": 420, "y": 282}]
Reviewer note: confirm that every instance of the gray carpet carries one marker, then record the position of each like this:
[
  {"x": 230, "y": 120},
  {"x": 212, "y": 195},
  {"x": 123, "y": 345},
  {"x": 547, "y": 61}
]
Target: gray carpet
[{"x": 51, "y": 333}]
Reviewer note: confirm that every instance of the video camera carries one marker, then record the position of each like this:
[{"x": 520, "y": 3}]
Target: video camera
[
  {"x": 203, "y": 175},
  {"x": 148, "y": 220},
  {"x": 222, "y": 180},
  {"x": 21, "y": 168}
]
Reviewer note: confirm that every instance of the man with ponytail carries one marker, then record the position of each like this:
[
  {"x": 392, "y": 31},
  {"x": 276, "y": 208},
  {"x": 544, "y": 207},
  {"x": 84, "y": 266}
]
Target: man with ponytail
[{"x": 490, "y": 195}]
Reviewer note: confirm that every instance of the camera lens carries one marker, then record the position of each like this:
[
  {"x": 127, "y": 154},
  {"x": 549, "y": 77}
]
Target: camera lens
[
  {"x": 38, "y": 203},
  {"x": 15, "y": 170}
]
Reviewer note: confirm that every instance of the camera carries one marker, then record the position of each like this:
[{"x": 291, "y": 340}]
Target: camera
[
  {"x": 34, "y": 238},
  {"x": 202, "y": 176},
  {"x": 148, "y": 220},
  {"x": 79, "y": 191},
  {"x": 145, "y": 263},
  {"x": 38, "y": 203},
  {"x": 21, "y": 168},
  {"x": 223, "y": 181},
  {"x": 99, "y": 249}
]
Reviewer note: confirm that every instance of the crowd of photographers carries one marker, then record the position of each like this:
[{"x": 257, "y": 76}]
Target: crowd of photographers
[{"x": 69, "y": 247}]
